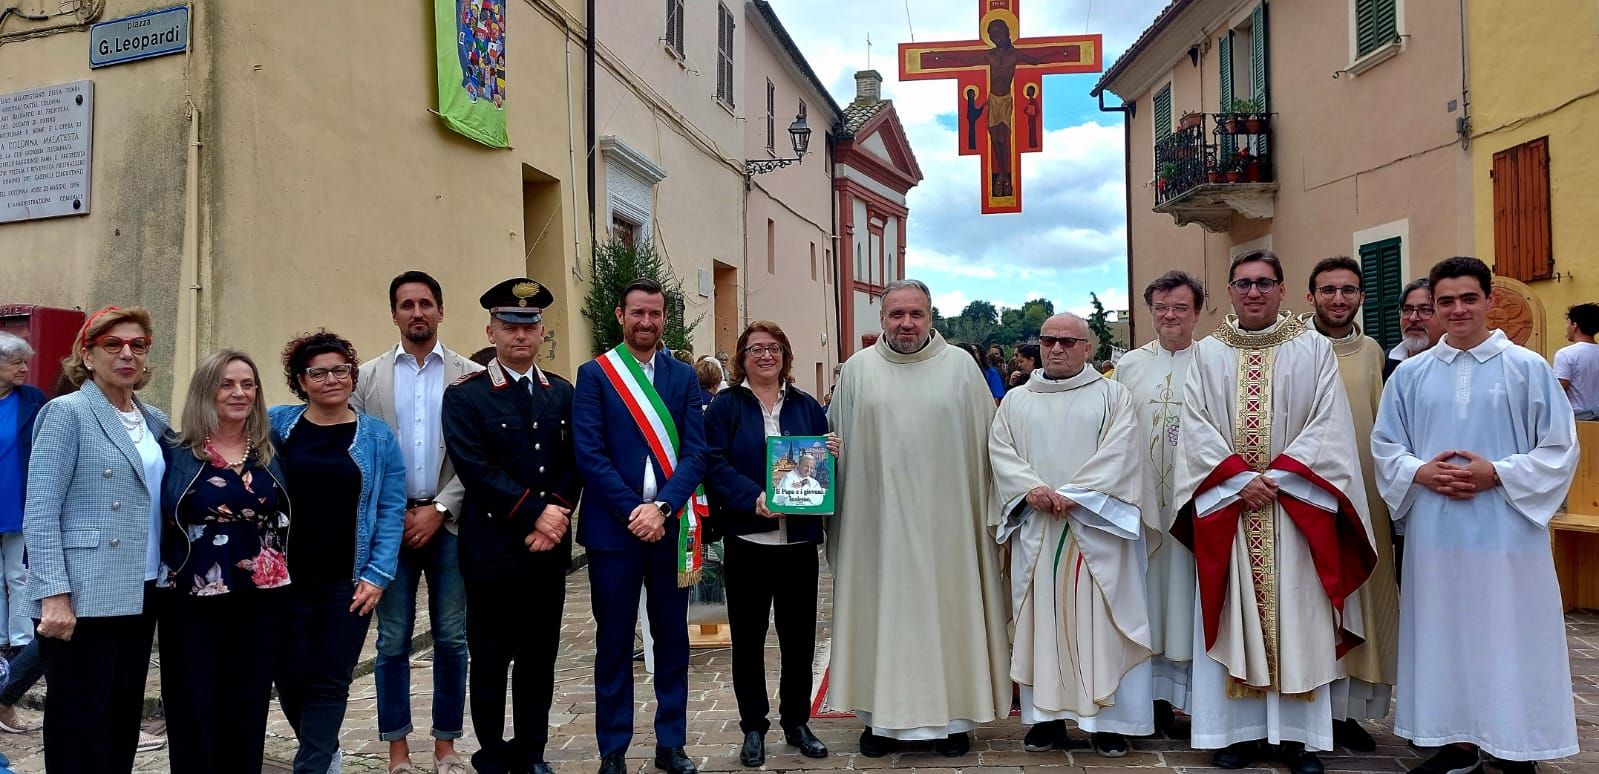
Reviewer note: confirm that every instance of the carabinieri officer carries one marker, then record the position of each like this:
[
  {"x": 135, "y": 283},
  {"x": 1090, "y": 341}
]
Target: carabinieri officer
[{"x": 509, "y": 432}]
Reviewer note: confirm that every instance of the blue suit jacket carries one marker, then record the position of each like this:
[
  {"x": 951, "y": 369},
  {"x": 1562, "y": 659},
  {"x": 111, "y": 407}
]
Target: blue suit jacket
[{"x": 611, "y": 452}]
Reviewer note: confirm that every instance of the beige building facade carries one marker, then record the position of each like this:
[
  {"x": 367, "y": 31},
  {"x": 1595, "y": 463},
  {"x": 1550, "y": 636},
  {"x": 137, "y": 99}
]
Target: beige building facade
[
  {"x": 1355, "y": 147},
  {"x": 274, "y": 176}
]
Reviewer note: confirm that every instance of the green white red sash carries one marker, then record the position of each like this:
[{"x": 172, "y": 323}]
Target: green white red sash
[{"x": 660, "y": 433}]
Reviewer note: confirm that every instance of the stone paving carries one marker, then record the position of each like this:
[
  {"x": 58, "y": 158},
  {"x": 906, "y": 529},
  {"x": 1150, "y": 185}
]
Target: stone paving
[{"x": 713, "y": 732}]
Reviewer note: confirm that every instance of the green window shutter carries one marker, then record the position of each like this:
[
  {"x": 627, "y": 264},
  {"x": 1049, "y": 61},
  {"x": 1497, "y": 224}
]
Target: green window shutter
[
  {"x": 1376, "y": 25},
  {"x": 1163, "y": 112},
  {"x": 1224, "y": 57},
  {"x": 1381, "y": 277},
  {"x": 1257, "y": 66}
]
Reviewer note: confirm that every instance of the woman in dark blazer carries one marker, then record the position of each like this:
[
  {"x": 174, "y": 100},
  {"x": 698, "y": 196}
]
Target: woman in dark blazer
[
  {"x": 225, "y": 519},
  {"x": 93, "y": 524},
  {"x": 768, "y": 561}
]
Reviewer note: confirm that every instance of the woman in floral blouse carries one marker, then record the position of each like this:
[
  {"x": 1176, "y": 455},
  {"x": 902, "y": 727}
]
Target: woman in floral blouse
[{"x": 225, "y": 529}]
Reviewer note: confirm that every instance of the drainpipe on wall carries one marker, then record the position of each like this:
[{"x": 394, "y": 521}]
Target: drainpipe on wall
[
  {"x": 838, "y": 275},
  {"x": 589, "y": 131},
  {"x": 188, "y": 357},
  {"x": 1127, "y": 109}
]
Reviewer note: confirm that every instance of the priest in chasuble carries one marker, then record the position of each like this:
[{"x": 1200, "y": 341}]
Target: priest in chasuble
[
  {"x": 1272, "y": 505},
  {"x": 1155, "y": 374},
  {"x": 1337, "y": 294},
  {"x": 1476, "y": 446},
  {"x": 919, "y": 649},
  {"x": 1070, "y": 481}
]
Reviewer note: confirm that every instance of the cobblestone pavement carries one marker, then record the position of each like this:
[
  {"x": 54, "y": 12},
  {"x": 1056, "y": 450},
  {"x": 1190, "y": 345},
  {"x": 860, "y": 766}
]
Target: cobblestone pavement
[{"x": 713, "y": 732}]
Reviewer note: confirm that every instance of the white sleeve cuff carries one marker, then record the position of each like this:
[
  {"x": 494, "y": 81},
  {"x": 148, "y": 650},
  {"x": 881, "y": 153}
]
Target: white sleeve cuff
[
  {"x": 1301, "y": 489},
  {"x": 1101, "y": 511},
  {"x": 1223, "y": 494}
]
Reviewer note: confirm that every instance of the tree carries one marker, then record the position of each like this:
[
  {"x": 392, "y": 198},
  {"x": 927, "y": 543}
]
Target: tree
[
  {"x": 615, "y": 265},
  {"x": 1099, "y": 324}
]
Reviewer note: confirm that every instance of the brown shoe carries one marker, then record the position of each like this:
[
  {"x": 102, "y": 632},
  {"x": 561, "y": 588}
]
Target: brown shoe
[{"x": 12, "y": 722}]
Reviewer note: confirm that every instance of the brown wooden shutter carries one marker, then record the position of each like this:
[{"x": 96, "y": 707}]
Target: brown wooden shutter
[{"x": 1522, "y": 246}]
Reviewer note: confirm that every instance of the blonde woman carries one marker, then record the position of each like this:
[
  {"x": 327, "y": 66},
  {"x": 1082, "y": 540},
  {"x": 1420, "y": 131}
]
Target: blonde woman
[
  {"x": 225, "y": 524},
  {"x": 92, "y": 524}
]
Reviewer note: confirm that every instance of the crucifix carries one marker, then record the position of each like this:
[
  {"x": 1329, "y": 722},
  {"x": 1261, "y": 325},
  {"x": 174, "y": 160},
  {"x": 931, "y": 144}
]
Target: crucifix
[{"x": 989, "y": 72}]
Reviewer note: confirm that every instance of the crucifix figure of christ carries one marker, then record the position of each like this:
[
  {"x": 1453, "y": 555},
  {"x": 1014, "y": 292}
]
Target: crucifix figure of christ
[{"x": 990, "y": 73}]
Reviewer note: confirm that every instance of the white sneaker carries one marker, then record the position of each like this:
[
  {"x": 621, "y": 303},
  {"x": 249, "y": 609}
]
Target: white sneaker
[{"x": 149, "y": 742}]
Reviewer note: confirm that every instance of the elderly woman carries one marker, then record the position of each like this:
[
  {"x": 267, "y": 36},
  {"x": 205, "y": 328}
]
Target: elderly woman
[
  {"x": 93, "y": 524},
  {"x": 19, "y": 404},
  {"x": 345, "y": 473},
  {"x": 225, "y": 520},
  {"x": 769, "y": 561}
]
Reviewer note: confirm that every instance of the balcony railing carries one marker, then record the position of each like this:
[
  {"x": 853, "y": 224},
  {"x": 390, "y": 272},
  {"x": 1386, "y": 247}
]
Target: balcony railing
[{"x": 1215, "y": 164}]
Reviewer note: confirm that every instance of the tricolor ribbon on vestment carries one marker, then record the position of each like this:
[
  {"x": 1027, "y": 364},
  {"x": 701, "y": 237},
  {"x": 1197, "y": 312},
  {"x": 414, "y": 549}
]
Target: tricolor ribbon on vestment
[{"x": 660, "y": 434}]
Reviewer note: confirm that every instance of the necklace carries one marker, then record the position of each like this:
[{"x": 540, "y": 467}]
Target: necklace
[
  {"x": 220, "y": 461},
  {"x": 133, "y": 422}
]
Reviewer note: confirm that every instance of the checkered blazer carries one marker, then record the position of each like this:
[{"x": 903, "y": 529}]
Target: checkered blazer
[{"x": 87, "y": 518}]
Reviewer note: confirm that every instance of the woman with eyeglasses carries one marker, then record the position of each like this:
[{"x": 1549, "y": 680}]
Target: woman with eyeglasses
[
  {"x": 225, "y": 521},
  {"x": 769, "y": 561},
  {"x": 346, "y": 477},
  {"x": 92, "y": 525}
]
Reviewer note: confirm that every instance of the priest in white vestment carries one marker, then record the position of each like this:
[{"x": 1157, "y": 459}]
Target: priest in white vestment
[
  {"x": 1272, "y": 505},
  {"x": 1337, "y": 294},
  {"x": 919, "y": 648},
  {"x": 1475, "y": 448},
  {"x": 1069, "y": 480},
  {"x": 1155, "y": 374}
]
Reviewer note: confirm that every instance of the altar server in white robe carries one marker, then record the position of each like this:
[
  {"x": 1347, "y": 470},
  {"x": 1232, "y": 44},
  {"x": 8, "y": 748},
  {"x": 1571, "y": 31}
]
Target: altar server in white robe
[
  {"x": 919, "y": 645},
  {"x": 1070, "y": 480},
  {"x": 1475, "y": 448},
  {"x": 1272, "y": 504},
  {"x": 1155, "y": 374}
]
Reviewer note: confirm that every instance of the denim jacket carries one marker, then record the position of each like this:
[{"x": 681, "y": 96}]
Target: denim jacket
[{"x": 382, "y": 505}]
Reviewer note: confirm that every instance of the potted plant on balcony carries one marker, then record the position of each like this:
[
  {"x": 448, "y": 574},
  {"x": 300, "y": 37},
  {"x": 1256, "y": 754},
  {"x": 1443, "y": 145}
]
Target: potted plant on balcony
[
  {"x": 1189, "y": 121},
  {"x": 1251, "y": 168},
  {"x": 1244, "y": 117},
  {"x": 1164, "y": 176}
]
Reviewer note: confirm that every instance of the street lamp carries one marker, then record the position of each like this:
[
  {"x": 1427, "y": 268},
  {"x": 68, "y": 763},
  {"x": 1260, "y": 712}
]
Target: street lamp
[{"x": 799, "y": 136}]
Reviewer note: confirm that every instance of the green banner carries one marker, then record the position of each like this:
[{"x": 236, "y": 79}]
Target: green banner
[{"x": 470, "y": 42}]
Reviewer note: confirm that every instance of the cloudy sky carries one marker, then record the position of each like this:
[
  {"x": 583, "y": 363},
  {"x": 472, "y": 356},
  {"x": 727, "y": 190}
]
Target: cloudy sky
[{"x": 1070, "y": 238}]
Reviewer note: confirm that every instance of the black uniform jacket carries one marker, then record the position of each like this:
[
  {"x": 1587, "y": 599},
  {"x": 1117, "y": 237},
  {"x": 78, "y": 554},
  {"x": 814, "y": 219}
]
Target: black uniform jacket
[{"x": 512, "y": 448}]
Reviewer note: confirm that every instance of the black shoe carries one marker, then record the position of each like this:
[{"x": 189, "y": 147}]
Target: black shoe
[
  {"x": 954, "y": 745},
  {"x": 541, "y": 768},
  {"x": 1237, "y": 756},
  {"x": 1298, "y": 759},
  {"x": 1451, "y": 759},
  {"x": 809, "y": 746},
  {"x": 1166, "y": 721},
  {"x": 673, "y": 761},
  {"x": 615, "y": 763},
  {"x": 1047, "y": 735},
  {"x": 1108, "y": 745},
  {"x": 1516, "y": 767},
  {"x": 1350, "y": 734},
  {"x": 638, "y": 654},
  {"x": 753, "y": 753},
  {"x": 874, "y": 746}
]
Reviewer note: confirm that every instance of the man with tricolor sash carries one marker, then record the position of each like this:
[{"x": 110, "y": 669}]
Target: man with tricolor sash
[{"x": 641, "y": 451}]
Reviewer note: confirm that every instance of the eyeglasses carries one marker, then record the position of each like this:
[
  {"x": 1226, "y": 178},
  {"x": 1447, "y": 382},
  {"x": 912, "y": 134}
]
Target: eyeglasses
[
  {"x": 1241, "y": 287},
  {"x": 775, "y": 350},
  {"x": 1049, "y": 342},
  {"x": 112, "y": 345},
  {"x": 340, "y": 372},
  {"x": 1329, "y": 291},
  {"x": 1418, "y": 312},
  {"x": 1174, "y": 308}
]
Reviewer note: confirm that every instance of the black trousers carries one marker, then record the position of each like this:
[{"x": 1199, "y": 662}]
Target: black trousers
[
  {"x": 780, "y": 582},
  {"x": 513, "y": 619},
  {"x": 96, "y": 695},
  {"x": 217, "y": 659},
  {"x": 316, "y": 666}
]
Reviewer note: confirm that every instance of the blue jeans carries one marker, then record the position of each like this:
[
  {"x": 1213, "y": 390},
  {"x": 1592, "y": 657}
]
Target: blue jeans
[{"x": 439, "y": 560}]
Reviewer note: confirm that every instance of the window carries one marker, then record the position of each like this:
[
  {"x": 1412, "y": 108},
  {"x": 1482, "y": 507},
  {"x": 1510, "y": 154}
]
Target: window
[
  {"x": 827, "y": 267},
  {"x": 1376, "y": 25},
  {"x": 771, "y": 246},
  {"x": 1522, "y": 248},
  {"x": 1163, "y": 112},
  {"x": 674, "y": 26},
  {"x": 724, "y": 55},
  {"x": 813, "y": 261},
  {"x": 624, "y": 230},
  {"x": 771, "y": 110},
  {"x": 1381, "y": 274}
]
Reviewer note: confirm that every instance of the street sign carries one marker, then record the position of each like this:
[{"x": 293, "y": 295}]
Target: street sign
[{"x": 153, "y": 33}]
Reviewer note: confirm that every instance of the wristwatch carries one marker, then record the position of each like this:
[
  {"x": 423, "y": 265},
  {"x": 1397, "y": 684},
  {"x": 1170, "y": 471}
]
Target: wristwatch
[
  {"x": 443, "y": 511},
  {"x": 666, "y": 510}
]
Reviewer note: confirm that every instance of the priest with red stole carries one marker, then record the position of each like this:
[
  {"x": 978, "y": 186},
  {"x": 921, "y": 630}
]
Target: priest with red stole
[{"x": 1271, "y": 501}]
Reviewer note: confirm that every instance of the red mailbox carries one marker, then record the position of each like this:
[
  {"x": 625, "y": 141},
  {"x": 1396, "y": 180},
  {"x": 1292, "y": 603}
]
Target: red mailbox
[{"x": 49, "y": 331}]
